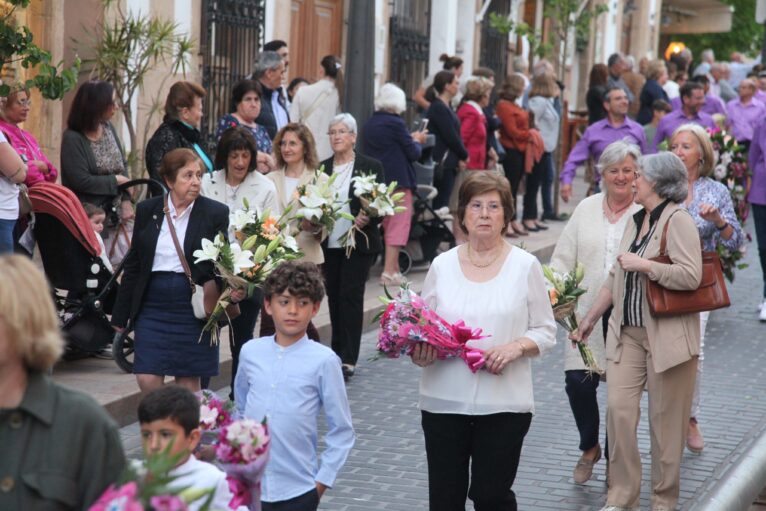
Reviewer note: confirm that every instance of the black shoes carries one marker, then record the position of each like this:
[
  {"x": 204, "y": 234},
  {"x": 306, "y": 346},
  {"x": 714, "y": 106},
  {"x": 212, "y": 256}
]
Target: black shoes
[{"x": 348, "y": 371}]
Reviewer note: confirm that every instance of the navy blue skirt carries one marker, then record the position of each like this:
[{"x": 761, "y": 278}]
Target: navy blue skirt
[{"x": 167, "y": 335}]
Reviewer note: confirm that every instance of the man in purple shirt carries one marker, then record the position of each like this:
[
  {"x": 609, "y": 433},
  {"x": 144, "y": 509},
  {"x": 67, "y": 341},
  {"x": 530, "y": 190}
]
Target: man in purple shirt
[
  {"x": 713, "y": 104},
  {"x": 616, "y": 126},
  {"x": 745, "y": 112},
  {"x": 692, "y": 99},
  {"x": 757, "y": 198}
]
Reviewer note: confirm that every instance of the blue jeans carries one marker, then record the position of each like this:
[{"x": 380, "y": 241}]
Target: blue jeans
[
  {"x": 759, "y": 219},
  {"x": 6, "y": 236}
]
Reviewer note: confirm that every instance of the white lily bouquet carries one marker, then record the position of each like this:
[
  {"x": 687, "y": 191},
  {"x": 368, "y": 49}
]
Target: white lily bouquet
[
  {"x": 262, "y": 243},
  {"x": 319, "y": 203},
  {"x": 377, "y": 199}
]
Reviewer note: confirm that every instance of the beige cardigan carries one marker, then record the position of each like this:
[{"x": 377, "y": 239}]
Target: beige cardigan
[
  {"x": 584, "y": 240},
  {"x": 307, "y": 242},
  {"x": 673, "y": 340}
]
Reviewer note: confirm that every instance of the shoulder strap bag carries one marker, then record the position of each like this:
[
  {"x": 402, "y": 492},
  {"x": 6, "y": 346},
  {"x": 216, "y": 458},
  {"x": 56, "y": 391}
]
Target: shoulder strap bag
[
  {"x": 204, "y": 298},
  {"x": 710, "y": 295}
]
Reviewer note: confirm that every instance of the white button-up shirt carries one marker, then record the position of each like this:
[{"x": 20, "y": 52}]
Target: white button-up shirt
[{"x": 166, "y": 256}]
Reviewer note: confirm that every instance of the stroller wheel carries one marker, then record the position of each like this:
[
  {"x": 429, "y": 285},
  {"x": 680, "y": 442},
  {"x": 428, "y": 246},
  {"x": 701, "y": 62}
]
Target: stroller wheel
[
  {"x": 405, "y": 262},
  {"x": 122, "y": 349}
]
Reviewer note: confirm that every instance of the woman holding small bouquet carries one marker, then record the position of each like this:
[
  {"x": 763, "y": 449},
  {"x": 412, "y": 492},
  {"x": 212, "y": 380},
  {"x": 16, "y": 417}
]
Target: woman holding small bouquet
[
  {"x": 644, "y": 351},
  {"x": 345, "y": 272},
  {"x": 710, "y": 205},
  {"x": 235, "y": 183},
  {"x": 592, "y": 237},
  {"x": 297, "y": 165},
  {"x": 480, "y": 419}
]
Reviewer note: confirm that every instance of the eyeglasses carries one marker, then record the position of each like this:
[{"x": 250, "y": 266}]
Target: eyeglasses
[
  {"x": 338, "y": 133},
  {"x": 478, "y": 207},
  {"x": 27, "y": 103}
]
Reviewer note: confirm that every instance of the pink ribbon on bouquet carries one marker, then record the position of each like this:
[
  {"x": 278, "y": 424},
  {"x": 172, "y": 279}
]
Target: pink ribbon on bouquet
[{"x": 241, "y": 493}]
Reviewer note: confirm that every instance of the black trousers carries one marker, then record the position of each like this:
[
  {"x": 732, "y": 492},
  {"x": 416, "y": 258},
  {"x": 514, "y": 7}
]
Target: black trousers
[
  {"x": 531, "y": 188},
  {"x": 513, "y": 166},
  {"x": 242, "y": 328},
  {"x": 491, "y": 444},
  {"x": 581, "y": 389},
  {"x": 345, "y": 280},
  {"x": 307, "y": 502}
]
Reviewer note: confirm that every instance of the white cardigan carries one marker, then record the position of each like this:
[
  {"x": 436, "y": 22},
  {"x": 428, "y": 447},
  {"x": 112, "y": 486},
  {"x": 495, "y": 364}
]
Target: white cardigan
[
  {"x": 315, "y": 106},
  {"x": 586, "y": 239}
]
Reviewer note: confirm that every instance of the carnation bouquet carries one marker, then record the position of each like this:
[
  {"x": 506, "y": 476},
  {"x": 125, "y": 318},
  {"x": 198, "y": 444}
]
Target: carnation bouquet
[
  {"x": 731, "y": 169},
  {"x": 319, "y": 203},
  {"x": 147, "y": 486},
  {"x": 262, "y": 243},
  {"x": 407, "y": 321},
  {"x": 242, "y": 452},
  {"x": 377, "y": 199},
  {"x": 564, "y": 291}
]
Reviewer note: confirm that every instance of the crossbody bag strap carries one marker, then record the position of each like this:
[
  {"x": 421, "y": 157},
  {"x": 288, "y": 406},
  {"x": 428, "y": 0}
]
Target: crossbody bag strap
[
  {"x": 664, "y": 239},
  {"x": 180, "y": 252}
]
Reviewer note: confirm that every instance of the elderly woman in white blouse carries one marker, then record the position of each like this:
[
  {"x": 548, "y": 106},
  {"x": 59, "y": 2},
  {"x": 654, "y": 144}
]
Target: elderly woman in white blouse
[
  {"x": 592, "y": 237},
  {"x": 480, "y": 420},
  {"x": 236, "y": 181}
]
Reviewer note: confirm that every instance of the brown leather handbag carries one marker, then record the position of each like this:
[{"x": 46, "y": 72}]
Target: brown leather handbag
[{"x": 710, "y": 295}]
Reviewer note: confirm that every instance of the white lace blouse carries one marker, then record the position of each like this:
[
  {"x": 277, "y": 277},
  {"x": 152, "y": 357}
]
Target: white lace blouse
[{"x": 513, "y": 304}]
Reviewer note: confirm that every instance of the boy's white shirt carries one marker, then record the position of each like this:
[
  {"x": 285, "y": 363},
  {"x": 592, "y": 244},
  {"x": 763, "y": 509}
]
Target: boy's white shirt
[{"x": 201, "y": 475}]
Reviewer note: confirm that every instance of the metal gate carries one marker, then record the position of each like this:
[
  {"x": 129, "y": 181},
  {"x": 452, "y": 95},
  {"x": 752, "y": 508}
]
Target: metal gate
[
  {"x": 494, "y": 45},
  {"x": 410, "y": 38},
  {"x": 232, "y": 35}
]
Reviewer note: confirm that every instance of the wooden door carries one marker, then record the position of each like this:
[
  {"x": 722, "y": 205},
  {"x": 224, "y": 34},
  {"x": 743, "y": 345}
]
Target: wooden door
[{"x": 316, "y": 30}]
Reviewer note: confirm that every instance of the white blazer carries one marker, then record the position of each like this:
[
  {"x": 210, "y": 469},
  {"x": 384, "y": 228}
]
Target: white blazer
[{"x": 315, "y": 105}]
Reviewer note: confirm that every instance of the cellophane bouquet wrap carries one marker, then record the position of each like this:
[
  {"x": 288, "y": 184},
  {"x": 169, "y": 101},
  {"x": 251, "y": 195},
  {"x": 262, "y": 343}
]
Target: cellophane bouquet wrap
[
  {"x": 378, "y": 201},
  {"x": 214, "y": 414},
  {"x": 564, "y": 290},
  {"x": 407, "y": 322},
  {"x": 261, "y": 243},
  {"x": 319, "y": 202},
  {"x": 732, "y": 170},
  {"x": 148, "y": 486},
  {"x": 243, "y": 452}
]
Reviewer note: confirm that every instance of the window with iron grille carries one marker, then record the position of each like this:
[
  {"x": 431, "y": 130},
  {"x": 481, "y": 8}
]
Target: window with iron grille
[
  {"x": 494, "y": 44},
  {"x": 232, "y": 35},
  {"x": 409, "y": 39}
]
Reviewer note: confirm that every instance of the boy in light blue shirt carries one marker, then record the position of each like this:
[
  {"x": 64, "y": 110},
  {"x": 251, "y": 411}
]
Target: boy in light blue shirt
[{"x": 288, "y": 379}]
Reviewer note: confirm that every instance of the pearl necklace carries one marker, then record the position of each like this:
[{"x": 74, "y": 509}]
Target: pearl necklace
[{"x": 490, "y": 263}]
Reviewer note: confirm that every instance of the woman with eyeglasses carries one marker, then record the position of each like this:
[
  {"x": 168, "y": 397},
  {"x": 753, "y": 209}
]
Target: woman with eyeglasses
[
  {"x": 14, "y": 112},
  {"x": 346, "y": 274},
  {"x": 480, "y": 419}
]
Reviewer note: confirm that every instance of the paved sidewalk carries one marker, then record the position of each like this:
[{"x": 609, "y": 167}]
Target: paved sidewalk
[{"x": 387, "y": 467}]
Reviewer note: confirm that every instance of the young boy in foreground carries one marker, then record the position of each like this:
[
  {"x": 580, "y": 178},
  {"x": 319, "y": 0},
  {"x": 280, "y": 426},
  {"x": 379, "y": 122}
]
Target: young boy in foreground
[
  {"x": 171, "y": 414},
  {"x": 288, "y": 378}
]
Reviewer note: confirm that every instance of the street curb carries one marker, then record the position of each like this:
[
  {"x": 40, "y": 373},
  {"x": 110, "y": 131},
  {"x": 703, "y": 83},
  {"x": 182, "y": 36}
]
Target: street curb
[{"x": 123, "y": 410}]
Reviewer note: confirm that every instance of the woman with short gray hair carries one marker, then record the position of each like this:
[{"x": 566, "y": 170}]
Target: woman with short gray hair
[
  {"x": 592, "y": 237},
  {"x": 345, "y": 272},
  {"x": 659, "y": 353}
]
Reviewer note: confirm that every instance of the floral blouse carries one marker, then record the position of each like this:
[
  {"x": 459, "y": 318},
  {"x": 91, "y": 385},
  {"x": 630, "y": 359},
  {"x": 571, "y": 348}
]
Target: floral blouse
[
  {"x": 709, "y": 191},
  {"x": 262, "y": 139}
]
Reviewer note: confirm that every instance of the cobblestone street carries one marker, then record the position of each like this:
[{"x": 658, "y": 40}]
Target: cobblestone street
[{"x": 387, "y": 467}]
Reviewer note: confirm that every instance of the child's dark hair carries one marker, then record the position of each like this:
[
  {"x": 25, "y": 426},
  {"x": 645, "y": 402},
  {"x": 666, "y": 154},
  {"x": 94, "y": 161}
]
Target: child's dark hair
[
  {"x": 170, "y": 402},
  {"x": 92, "y": 210},
  {"x": 301, "y": 279}
]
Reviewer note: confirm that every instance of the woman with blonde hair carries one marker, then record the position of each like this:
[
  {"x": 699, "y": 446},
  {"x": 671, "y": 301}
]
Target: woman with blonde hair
[
  {"x": 51, "y": 434},
  {"x": 656, "y": 78},
  {"x": 709, "y": 204},
  {"x": 473, "y": 123},
  {"x": 542, "y": 97}
]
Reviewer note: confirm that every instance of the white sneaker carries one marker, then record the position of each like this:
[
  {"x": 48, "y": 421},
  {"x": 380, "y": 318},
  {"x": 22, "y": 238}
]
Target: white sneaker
[{"x": 762, "y": 316}]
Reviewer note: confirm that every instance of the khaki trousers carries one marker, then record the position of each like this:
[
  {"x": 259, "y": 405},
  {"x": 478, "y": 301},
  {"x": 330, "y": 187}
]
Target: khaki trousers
[{"x": 670, "y": 397}]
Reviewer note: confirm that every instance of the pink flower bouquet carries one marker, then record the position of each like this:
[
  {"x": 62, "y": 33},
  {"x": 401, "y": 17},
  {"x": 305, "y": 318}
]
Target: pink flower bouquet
[
  {"x": 214, "y": 414},
  {"x": 242, "y": 452},
  {"x": 408, "y": 321}
]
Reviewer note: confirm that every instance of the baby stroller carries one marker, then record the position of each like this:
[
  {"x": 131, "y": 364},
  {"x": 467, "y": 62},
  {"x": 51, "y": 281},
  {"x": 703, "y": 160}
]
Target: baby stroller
[
  {"x": 429, "y": 226},
  {"x": 84, "y": 289}
]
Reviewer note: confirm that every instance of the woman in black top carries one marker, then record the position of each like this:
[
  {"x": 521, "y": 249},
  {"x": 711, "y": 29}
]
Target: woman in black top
[
  {"x": 594, "y": 99},
  {"x": 449, "y": 151}
]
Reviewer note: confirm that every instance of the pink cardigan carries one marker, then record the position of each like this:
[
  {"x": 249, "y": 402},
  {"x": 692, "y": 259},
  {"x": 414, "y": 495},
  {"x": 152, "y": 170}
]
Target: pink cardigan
[
  {"x": 25, "y": 144},
  {"x": 473, "y": 131}
]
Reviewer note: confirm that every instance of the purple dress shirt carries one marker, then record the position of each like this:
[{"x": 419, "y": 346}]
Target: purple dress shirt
[
  {"x": 757, "y": 164},
  {"x": 760, "y": 96},
  {"x": 673, "y": 120},
  {"x": 744, "y": 118},
  {"x": 595, "y": 139},
  {"x": 713, "y": 105}
]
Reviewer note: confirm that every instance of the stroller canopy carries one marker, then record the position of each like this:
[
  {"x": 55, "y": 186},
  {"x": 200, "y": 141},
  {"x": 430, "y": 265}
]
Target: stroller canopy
[{"x": 61, "y": 203}]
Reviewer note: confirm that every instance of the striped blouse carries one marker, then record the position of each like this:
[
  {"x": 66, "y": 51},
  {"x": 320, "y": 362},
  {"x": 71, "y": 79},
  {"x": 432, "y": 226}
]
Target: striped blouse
[{"x": 634, "y": 281}]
